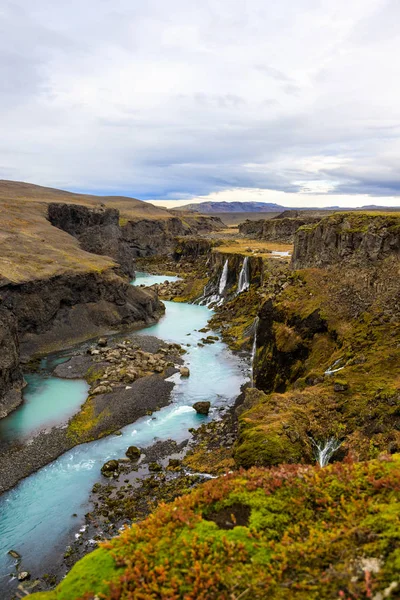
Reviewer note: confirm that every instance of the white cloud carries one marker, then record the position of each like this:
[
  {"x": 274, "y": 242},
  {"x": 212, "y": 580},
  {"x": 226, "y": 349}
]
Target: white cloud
[{"x": 183, "y": 99}]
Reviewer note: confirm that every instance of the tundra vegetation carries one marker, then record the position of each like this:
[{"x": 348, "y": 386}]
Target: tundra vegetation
[{"x": 324, "y": 329}]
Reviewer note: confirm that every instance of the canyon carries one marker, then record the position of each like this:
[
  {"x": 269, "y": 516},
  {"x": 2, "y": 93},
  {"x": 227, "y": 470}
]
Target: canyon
[{"x": 289, "y": 326}]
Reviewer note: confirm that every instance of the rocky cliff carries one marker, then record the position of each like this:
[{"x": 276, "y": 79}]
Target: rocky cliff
[
  {"x": 11, "y": 380},
  {"x": 326, "y": 364},
  {"x": 63, "y": 309},
  {"x": 148, "y": 237},
  {"x": 355, "y": 238},
  {"x": 98, "y": 230},
  {"x": 277, "y": 229}
]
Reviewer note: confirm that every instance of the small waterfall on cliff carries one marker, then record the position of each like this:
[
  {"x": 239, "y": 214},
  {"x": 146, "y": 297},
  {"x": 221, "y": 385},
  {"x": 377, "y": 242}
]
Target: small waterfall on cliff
[
  {"x": 244, "y": 277},
  {"x": 334, "y": 368},
  {"x": 254, "y": 350},
  {"x": 213, "y": 294},
  {"x": 224, "y": 278},
  {"x": 325, "y": 450}
]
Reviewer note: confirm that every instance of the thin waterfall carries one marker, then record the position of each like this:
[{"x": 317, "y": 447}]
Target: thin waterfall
[
  {"x": 244, "y": 277},
  {"x": 254, "y": 350},
  {"x": 331, "y": 370},
  {"x": 325, "y": 450},
  {"x": 224, "y": 278}
]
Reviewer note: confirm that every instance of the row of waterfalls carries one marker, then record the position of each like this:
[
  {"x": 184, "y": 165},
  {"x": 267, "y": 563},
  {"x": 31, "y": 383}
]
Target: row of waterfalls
[
  {"x": 323, "y": 450},
  {"x": 213, "y": 295}
]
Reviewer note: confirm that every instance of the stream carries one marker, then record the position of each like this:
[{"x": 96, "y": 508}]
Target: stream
[{"x": 37, "y": 516}]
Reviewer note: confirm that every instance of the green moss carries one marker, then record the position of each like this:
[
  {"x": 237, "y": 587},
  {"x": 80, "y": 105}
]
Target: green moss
[
  {"x": 89, "y": 575},
  {"x": 293, "y": 532},
  {"x": 94, "y": 373},
  {"x": 81, "y": 426}
]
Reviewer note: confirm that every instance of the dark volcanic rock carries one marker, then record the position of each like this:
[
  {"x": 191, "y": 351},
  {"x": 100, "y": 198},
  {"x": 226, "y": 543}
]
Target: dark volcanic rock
[
  {"x": 96, "y": 228},
  {"x": 359, "y": 239},
  {"x": 72, "y": 307},
  {"x": 202, "y": 408},
  {"x": 277, "y": 229},
  {"x": 11, "y": 380},
  {"x": 109, "y": 468},
  {"x": 149, "y": 237},
  {"x": 133, "y": 452}
]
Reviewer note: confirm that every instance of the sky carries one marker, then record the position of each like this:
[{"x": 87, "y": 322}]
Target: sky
[{"x": 295, "y": 102}]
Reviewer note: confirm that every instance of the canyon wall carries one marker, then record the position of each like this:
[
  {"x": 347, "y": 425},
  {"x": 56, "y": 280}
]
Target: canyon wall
[
  {"x": 52, "y": 313},
  {"x": 97, "y": 229},
  {"x": 355, "y": 238},
  {"x": 148, "y": 237},
  {"x": 275, "y": 230},
  {"x": 11, "y": 380}
]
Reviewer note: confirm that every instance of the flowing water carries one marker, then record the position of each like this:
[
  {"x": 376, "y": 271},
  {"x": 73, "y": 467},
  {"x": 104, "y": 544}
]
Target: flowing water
[
  {"x": 47, "y": 401},
  {"x": 37, "y": 515},
  {"x": 325, "y": 450},
  {"x": 244, "y": 277},
  {"x": 224, "y": 279}
]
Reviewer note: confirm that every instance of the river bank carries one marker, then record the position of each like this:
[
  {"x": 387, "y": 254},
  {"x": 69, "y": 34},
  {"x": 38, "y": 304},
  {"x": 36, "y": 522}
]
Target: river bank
[
  {"x": 64, "y": 486},
  {"x": 113, "y": 397}
]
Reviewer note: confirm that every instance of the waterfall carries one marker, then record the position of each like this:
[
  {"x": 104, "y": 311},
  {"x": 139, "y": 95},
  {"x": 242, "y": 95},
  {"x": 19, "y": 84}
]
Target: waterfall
[
  {"x": 254, "y": 350},
  {"x": 244, "y": 277},
  {"x": 325, "y": 450},
  {"x": 331, "y": 370},
  {"x": 224, "y": 278}
]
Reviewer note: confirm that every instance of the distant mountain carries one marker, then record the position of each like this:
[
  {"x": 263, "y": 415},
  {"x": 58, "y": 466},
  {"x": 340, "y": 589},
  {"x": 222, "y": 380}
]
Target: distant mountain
[
  {"x": 232, "y": 207},
  {"x": 267, "y": 207}
]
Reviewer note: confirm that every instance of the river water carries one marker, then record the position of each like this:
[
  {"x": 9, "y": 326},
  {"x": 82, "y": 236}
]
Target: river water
[{"x": 36, "y": 516}]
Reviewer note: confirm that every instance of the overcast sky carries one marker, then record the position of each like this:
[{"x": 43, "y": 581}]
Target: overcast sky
[{"x": 296, "y": 101}]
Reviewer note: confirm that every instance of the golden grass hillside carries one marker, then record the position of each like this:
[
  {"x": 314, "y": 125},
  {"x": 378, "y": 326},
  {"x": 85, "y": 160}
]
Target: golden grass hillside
[{"x": 31, "y": 248}]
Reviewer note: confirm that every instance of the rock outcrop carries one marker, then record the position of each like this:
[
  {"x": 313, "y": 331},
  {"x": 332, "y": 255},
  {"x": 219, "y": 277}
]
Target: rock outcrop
[
  {"x": 148, "y": 237},
  {"x": 97, "y": 229},
  {"x": 359, "y": 239},
  {"x": 72, "y": 307},
  {"x": 277, "y": 229},
  {"x": 11, "y": 380}
]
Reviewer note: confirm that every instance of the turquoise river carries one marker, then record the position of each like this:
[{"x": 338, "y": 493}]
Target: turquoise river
[{"x": 36, "y": 517}]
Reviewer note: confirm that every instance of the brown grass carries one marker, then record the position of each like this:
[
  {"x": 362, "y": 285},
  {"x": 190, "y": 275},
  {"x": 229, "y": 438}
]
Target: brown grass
[{"x": 250, "y": 247}]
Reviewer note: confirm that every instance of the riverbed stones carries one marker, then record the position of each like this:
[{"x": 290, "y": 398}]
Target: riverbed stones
[
  {"x": 184, "y": 371},
  {"x": 202, "y": 408},
  {"x": 133, "y": 453},
  {"x": 102, "y": 342},
  {"x": 110, "y": 468}
]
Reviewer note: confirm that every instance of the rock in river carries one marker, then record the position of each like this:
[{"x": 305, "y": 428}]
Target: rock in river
[
  {"x": 184, "y": 371},
  {"x": 202, "y": 408},
  {"x": 109, "y": 468},
  {"x": 133, "y": 452}
]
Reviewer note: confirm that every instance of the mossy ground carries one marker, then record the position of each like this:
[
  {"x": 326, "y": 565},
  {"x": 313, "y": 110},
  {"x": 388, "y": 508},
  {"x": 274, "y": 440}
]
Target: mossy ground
[
  {"x": 324, "y": 318},
  {"x": 292, "y": 532}
]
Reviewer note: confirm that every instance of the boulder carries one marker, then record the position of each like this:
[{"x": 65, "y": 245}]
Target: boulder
[
  {"x": 133, "y": 452},
  {"x": 102, "y": 342},
  {"x": 340, "y": 385},
  {"x": 24, "y": 575},
  {"x": 202, "y": 408},
  {"x": 184, "y": 371},
  {"x": 109, "y": 468}
]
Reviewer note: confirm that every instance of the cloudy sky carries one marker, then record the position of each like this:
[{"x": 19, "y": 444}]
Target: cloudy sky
[{"x": 296, "y": 101}]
